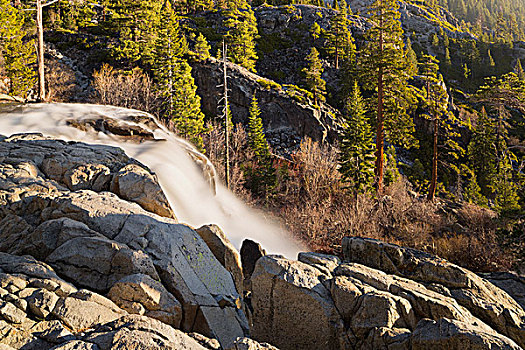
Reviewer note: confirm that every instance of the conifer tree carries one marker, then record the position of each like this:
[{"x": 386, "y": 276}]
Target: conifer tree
[
  {"x": 340, "y": 43},
  {"x": 411, "y": 59},
  {"x": 186, "y": 112},
  {"x": 384, "y": 74},
  {"x": 313, "y": 73},
  {"x": 392, "y": 174},
  {"x": 435, "y": 40},
  {"x": 490, "y": 59},
  {"x": 501, "y": 95},
  {"x": 437, "y": 103},
  {"x": 315, "y": 31},
  {"x": 504, "y": 188},
  {"x": 357, "y": 150},
  {"x": 135, "y": 23},
  {"x": 256, "y": 137},
  {"x": 18, "y": 55},
  {"x": 202, "y": 48},
  {"x": 472, "y": 192},
  {"x": 261, "y": 174},
  {"x": 174, "y": 81},
  {"x": 448, "y": 62},
  {"x": 241, "y": 25},
  {"x": 481, "y": 151}
]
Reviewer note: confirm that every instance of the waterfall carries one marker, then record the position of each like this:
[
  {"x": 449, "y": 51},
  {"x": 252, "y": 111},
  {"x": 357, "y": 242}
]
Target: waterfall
[{"x": 173, "y": 160}]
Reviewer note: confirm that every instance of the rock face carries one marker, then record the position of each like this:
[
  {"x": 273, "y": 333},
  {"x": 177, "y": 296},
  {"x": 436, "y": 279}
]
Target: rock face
[
  {"x": 381, "y": 297},
  {"x": 125, "y": 245},
  {"x": 41, "y": 311},
  {"x": 286, "y": 119}
]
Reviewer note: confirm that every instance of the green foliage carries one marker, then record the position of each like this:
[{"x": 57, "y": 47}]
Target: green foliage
[
  {"x": 18, "y": 56},
  {"x": 411, "y": 59},
  {"x": 261, "y": 174},
  {"x": 472, "y": 193},
  {"x": 503, "y": 18},
  {"x": 70, "y": 15},
  {"x": 186, "y": 109},
  {"x": 135, "y": 24},
  {"x": 505, "y": 189},
  {"x": 383, "y": 58},
  {"x": 392, "y": 174},
  {"x": 174, "y": 82},
  {"x": 313, "y": 79},
  {"x": 269, "y": 84},
  {"x": 315, "y": 31},
  {"x": 340, "y": 43},
  {"x": 202, "y": 48},
  {"x": 481, "y": 152},
  {"x": 241, "y": 25},
  {"x": 256, "y": 137},
  {"x": 357, "y": 149},
  {"x": 518, "y": 69}
]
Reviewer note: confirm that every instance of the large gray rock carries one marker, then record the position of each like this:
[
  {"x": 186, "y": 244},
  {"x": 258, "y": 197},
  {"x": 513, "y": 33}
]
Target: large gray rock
[
  {"x": 138, "y": 185},
  {"x": 141, "y": 294},
  {"x": 80, "y": 320},
  {"x": 96, "y": 239},
  {"x": 480, "y": 297},
  {"x": 455, "y": 335},
  {"x": 140, "y": 332},
  {"x": 292, "y": 307},
  {"x": 224, "y": 251}
]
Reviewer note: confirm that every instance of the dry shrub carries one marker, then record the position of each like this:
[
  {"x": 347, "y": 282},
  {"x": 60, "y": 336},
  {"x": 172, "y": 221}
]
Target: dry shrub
[
  {"x": 61, "y": 82},
  {"x": 314, "y": 206},
  {"x": 125, "y": 89},
  {"x": 240, "y": 154}
]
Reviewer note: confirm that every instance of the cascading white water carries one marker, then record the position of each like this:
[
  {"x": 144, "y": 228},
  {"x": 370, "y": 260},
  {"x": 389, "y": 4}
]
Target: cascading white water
[{"x": 187, "y": 190}]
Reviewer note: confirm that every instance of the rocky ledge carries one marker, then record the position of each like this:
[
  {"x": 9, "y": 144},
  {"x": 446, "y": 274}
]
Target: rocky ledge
[{"x": 92, "y": 257}]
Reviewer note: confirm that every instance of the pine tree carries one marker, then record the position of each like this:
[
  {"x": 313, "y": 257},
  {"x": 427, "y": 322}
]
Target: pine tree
[
  {"x": 174, "y": 81},
  {"x": 392, "y": 174},
  {"x": 501, "y": 96},
  {"x": 256, "y": 137},
  {"x": 472, "y": 193},
  {"x": 313, "y": 73},
  {"x": 315, "y": 31},
  {"x": 135, "y": 23},
  {"x": 202, "y": 48},
  {"x": 437, "y": 103},
  {"x": 481, "y": 152},
  {"x": 490, "y": 59},
  {"x": 241, "y": 24},
  {"x": 261, "y": 174},
  {"x": 384, "y": 74},
  {"x": 411, "y": 59},
  {"x": 505, "y": 189},
  {"x": 435, "y": 40},
  {"x": 186, "y": 113},
  {"x": 447, "y": 57},
  {"x": 18, "y": 55},
  {"x": 340, "y": 43},
  {"x": 357, "y": 150}
]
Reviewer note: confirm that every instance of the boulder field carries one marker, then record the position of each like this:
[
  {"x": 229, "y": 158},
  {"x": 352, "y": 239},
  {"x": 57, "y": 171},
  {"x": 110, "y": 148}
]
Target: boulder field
[{"x": 92, "y": 257}]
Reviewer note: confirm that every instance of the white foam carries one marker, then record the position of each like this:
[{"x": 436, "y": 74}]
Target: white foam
[{"x": 187, "y": 190}]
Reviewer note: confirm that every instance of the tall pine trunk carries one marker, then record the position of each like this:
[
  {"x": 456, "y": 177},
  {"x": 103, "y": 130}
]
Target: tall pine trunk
[
  {"x": 380, "y": 125},
  {"x": 226, "y": 121},
  {"x": 40, "y": 52}
]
